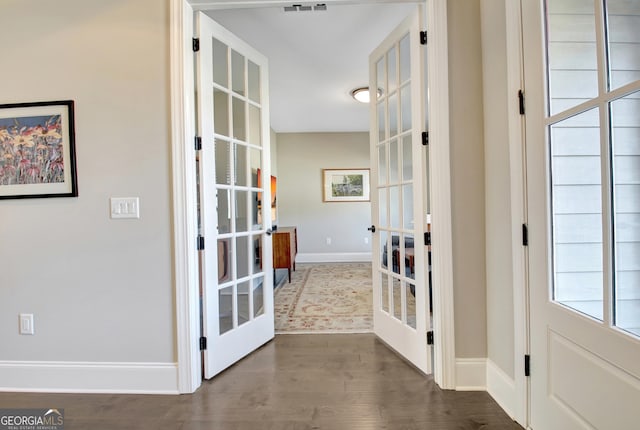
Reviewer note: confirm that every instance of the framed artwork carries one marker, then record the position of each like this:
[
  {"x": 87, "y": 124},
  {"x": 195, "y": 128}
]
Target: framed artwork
[
  {"x": 345, "y": 185},
  {"x": 37, "y": 150}
]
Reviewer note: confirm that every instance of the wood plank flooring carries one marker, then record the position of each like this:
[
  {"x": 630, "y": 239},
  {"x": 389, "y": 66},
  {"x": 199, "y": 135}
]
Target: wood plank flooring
[{"x": 296, "y": 382}]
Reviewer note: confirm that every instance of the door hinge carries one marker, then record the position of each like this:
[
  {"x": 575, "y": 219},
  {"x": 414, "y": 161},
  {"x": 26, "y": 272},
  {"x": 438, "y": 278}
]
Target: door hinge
[
  {"x": 425, "y": 138},
  {"x": 527, "y": 365},
  {"x": 195, "y": 44},
  {"x": 423, "y": 38},
  {"x": 525, "y": 235},
  {"x": 521, "y": 101},
  {"x": 427, "y": 238},
  {"x": 200, "y": 245},
  {"x": 430, "y": 337},
  {"x": 203, "y": 343},
  {"x": 198, "y": 143}
]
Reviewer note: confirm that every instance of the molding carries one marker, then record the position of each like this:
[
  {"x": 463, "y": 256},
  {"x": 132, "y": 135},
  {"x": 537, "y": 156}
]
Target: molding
[
  {"x": 89, "y": 377},
  {"x": 335, "y": 257},
  {"x": 502, "y": 388},
  {"x": 471, "y": 374},
  {"x": 185, "y": 255},
  {"x": 440, "y": 191}
]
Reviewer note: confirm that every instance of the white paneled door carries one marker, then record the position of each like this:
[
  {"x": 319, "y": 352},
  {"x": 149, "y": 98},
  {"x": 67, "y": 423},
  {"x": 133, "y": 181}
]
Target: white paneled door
[
  {"x": 583, "y": 172},
  {"x": 398, "y": 193},
  {"x": 235, "y": 209}
]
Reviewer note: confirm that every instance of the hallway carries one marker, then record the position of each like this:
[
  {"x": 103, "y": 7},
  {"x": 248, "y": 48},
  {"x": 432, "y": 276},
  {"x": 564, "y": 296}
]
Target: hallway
[{"x": 334, "y": 382}]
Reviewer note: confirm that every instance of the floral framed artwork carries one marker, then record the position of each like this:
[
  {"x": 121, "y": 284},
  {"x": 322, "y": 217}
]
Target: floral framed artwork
[
  {"x": 345, "y": 185},
  {"x": 37, "y": 150}
]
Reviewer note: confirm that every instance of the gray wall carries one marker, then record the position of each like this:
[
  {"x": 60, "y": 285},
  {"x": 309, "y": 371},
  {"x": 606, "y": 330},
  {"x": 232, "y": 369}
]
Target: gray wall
[
  {"x": 100, "y": 289},
  {"x": 300, "y": 159},
  {"x": 467, "y": 177},
  {"x": 500, "y": 332}
]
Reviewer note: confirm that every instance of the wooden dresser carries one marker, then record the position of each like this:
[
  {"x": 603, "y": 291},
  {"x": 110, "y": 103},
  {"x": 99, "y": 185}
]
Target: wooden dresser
[{"x": 285, "y": 248}]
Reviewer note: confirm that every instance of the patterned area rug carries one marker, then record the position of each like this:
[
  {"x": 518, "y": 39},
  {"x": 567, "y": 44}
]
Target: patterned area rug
[{"x": 326, "y": 298}]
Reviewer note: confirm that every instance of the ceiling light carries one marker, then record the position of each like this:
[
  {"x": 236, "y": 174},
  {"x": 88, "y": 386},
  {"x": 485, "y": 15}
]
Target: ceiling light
[{"x": 362, "y": 94}]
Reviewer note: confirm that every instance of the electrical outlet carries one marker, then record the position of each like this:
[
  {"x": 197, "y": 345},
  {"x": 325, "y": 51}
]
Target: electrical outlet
[
  {"x": 366, "y": 241},
  {"x": 328, "y": 241},
  {"x": 26, "y": 324}
]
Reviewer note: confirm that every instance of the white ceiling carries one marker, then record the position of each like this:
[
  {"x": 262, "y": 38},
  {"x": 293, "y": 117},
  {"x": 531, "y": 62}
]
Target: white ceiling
[{"x": 315, "y": 59}]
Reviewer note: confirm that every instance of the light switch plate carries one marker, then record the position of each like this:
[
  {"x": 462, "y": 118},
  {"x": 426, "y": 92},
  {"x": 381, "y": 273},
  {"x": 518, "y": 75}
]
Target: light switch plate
[
  {"x": 125, "y": 207},
  {"x": 26, "y": 324}
]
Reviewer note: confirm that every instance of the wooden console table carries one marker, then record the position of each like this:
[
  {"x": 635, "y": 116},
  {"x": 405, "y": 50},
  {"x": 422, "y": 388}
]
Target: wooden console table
[{"x": 285, "y": 248}]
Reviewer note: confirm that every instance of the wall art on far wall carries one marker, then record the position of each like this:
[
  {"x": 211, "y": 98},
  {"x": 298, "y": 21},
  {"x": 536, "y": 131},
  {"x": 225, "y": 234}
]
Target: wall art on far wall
[
  {"x": 345, "y": 185},
  {"x": 37, "y": 150}
]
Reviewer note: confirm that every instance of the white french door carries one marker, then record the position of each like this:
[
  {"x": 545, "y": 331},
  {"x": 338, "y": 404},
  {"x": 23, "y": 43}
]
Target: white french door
[
  {"x": 398, "y": 193},
  {"x": 583, "y": 172},
  {"x": 234, "y": 166}
]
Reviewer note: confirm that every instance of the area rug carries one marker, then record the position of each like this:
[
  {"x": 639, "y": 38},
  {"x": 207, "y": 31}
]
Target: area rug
[{"x": 326, "y": 298}]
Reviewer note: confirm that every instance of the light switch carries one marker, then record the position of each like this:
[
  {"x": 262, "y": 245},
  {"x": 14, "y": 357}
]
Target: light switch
[
  {"x": 26, "y": 324},
  {"x": 125, "y": 207}
]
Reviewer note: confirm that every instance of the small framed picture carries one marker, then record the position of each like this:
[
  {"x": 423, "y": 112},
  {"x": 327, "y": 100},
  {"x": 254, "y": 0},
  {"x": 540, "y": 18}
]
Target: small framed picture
[
  {"x": 345, "y": 185},
  {"x": 37, "y": 150}
]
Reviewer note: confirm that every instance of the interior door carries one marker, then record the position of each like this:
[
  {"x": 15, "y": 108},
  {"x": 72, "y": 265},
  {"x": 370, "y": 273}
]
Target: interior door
[
  {"x": 398, "y": 197},
  {"x": 582, "y": 146},
  {"x": 235, "y": 210}
]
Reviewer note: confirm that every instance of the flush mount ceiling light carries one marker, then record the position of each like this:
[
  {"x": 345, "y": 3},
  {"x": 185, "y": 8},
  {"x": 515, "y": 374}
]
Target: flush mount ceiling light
[{"x": 362, "y": 94}]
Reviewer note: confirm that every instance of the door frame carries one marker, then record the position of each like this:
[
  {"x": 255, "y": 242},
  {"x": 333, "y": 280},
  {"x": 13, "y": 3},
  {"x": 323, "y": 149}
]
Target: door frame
[{"x": 185, "y": 256}]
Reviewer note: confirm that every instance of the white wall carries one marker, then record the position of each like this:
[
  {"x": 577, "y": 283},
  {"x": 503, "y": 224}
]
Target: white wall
[
  {"x": 300, "y": 159},
  {"x": 100, "y": 289}
]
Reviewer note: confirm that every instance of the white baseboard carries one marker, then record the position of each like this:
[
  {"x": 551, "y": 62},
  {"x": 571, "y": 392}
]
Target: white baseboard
[
  {"x": 471, "y": 374},
  {"x": 338, "y": 257},
  {"x": 501, "y": 387},
  {"x": 89, "y": 377}
]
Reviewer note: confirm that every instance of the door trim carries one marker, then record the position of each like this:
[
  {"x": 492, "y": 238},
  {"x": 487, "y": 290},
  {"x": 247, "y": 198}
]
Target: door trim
[{"x": 184, "y": 187}]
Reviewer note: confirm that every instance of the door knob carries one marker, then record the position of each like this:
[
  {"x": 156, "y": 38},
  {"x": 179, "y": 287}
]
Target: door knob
[
  {"x": 372, "y": 229},
  {"x": 269, "y": 231}
]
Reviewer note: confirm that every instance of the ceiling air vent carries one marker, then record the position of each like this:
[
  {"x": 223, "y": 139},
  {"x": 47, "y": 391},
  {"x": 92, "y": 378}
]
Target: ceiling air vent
[{"x": 305, "y": 8}]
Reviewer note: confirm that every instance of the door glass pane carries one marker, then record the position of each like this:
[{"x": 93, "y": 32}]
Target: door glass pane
[
  {"x": 405, "y": 59},
  {"x": 255, "y": 161},
  {"x": 223, "y": 162},
  {"x": 392, "y": 61},
  {"x": 384, "y": 292},
  {"x": 382, "y": 207},
  {"x": 254, "y": 81},
  {"x": 242, "y": 211},
  {"x": 220, "y": 63},
  {"x": 623, "y": 21},
  {"x": 407, "y": 207},
  {"x": 237, "y": 72},
  {"x": 397, "y": 296},
  {"x": 577, "y": 213},
  {"x": 382, "y": 164},
  {"x": 381, "y": 76},
  {"x": 394, "y": 207},
  {"x": 409, "y": 292},
  {"x": 256, "y": 208},
  {"x": 385, "y": 259},
  {"x": 407, "y": 159},
  {"x": 409, "y": 257},
  {"x": 393, "y": 115},
  {"x": 225, "y": 309},
  {"x": 382, "y": 128},
  {"x": 256, "y": 254},
  {"x": 405, "y": 107},
  {"x": 571, "y": 32},
  {"x": 625, "y": 136},
  {"x": 224, "y": 260},
  {"x": 393, "y": 162},
  {"x": 220, "y": 112},
  {"x": 241, "y": 168},
  {"x": 239, "y": 119},
  {"x": 244, "y": 312},
  {"x": 242, "y": 257},
  {"x": 255, "y": 137},
  {"x": 224, "y": 211},
  {"x": 258, "y": 296}
]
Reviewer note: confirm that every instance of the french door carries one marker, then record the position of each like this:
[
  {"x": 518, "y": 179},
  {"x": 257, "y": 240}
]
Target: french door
[
  {"x": 582, "y": 93},
  {"x": 233, "y": 123},
  {"x": 398, "y": 193}
]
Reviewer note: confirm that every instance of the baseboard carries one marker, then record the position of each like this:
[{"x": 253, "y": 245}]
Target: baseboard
[
  {"x": 337, "y": 257},
  {"x": 471, "y": 374},
  {"x": 501, "y": 387},
  {"x": 89, "y": 377}
]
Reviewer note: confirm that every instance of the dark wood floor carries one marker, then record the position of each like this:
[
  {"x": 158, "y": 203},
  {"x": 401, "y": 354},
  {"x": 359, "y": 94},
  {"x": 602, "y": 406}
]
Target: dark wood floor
[{"x": 296, "y": 382}]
